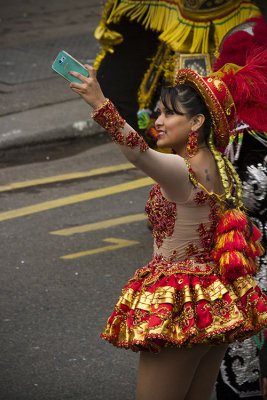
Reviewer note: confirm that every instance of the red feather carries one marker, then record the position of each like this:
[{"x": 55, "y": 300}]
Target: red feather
[
  {"x": 248, "y": 87},
  {"x": 238, "y": 45},
  {"x": 259, "y": 31},
  {"x": 234, "y": 49}
]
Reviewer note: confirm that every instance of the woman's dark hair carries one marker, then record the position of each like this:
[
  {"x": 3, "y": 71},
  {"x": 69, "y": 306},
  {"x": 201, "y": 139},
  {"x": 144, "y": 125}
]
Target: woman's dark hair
[{"x": 190, "y": 100}]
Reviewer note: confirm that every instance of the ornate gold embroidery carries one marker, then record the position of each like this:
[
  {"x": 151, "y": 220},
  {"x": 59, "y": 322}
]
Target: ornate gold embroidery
[
  {"x": 206, "y": 310},
  {"x": 191, "y": 249},
  {"x": 162, "y": 215},
  {"x": 205, "y": 234},
  {"x": 132, "y": 140},
  {"x": 198, "y": 321},
  {"x": 184, "y": 318},
  {"x": 201, "y": 197},
  {"x": 109, "y": 118}
]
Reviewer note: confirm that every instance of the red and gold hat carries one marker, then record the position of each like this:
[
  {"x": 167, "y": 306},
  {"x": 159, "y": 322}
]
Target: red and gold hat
[{"x": 218, "y": 99}]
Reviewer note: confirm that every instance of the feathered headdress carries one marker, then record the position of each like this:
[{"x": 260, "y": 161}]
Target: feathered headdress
[
  {"x": 248, "y": 87},
  {"x": 245, "y": 46}
]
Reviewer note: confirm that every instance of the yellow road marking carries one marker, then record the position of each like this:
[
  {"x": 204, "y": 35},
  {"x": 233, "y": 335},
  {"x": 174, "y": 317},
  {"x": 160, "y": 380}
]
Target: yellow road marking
[
  {"x": 100, "y": 225},
  {"x": 93, "y": 194},
  {"x": 119, "y": 243},
  {"x": 65, "y": 177}
]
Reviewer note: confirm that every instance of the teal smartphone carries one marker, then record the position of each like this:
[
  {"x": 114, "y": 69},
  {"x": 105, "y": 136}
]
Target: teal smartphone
[{"x": 64, "y": 63}]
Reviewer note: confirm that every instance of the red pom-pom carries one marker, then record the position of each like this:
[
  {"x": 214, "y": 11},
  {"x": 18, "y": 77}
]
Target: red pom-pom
[
  {"x": 252, "y": 250},
  {"x": 235, "y": 250},
  {"x": 232, "y": 219},
  {"x": 256, "y": 234},
  {"x": 232, "y": 240},
  {"x": 252, "y": 267},
  {"x": 255, "y": 249},
  {"x": 233, "y": 264}
]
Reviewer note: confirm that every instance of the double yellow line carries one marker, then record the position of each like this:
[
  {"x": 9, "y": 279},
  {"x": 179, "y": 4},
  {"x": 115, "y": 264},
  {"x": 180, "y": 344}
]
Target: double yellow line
[
  {"x": 66, "y": 177},
  {"x": 115, "y": 243},
  {"x": 93, "y": 194}
]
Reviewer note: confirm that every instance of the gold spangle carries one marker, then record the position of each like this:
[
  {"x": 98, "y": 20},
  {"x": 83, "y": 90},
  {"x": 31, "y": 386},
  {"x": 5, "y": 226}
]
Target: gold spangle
[
  {"x": 198, "y": 62},
  {"x": 182, "y": 79}
]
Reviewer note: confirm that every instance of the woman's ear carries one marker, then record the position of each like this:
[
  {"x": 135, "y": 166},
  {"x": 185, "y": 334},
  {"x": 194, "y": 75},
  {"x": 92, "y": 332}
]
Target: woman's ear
[{"x": 197, "y": 121}]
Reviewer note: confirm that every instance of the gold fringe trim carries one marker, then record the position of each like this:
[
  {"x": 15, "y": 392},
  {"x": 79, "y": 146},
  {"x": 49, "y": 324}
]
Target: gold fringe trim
[
  {"x": 180, "y": 33},
  {"x": 100, "y": 57},
  {"x": 105, "y": 36}
]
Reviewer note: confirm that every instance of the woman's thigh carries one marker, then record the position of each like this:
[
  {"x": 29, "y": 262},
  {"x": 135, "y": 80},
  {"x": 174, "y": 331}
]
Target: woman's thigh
[
  {"x": 168, "y": 375},
  {"x": 206, "y": 373}
]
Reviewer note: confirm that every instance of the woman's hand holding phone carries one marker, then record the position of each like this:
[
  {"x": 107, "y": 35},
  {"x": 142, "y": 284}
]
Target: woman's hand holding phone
[{"x": 89, "y": 89}]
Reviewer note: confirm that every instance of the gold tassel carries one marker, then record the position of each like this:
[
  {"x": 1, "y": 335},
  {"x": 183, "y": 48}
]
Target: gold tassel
[{"x": 105, "y": 36}]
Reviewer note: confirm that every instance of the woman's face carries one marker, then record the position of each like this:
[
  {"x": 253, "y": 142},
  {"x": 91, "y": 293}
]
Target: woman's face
[{"x": 173, "y": 129}]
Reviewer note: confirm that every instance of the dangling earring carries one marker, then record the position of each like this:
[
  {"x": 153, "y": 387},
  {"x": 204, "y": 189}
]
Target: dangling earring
[{"x": 191, "y": 145}]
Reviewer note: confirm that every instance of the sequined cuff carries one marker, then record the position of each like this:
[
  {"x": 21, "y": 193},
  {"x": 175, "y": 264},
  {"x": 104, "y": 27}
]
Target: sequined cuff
[
  {"x": 132, "y": 140},
  {"x": 109, "y": 118}
]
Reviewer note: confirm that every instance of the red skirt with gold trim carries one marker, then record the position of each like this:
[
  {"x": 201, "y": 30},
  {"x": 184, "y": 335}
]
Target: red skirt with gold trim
[{"x": 178, "y": 305}]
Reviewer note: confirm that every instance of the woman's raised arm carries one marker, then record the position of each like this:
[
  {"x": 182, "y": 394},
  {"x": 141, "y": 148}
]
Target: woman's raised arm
[{"x": 168, "y": 170}]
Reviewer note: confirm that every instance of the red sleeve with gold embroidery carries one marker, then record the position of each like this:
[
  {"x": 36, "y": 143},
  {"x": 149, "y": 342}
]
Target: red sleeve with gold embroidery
[{"x": 109, "y": 118}]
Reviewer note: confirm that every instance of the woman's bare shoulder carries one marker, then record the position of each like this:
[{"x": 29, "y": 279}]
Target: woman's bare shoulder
[{"x": 207, "y": 173}]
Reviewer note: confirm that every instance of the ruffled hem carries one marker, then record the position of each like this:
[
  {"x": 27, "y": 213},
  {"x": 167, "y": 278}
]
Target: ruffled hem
[
  {"x": 154, "y": 342},
  {"x": 160, "y": 308}
]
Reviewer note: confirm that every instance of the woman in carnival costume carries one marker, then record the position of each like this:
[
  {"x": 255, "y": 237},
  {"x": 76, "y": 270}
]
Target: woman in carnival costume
[{"x": 197, "y": 294}]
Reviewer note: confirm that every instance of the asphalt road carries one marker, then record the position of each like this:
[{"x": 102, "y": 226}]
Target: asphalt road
[
  {"x": 32, "y": 33},
  {"x": 54, "y": 308}
]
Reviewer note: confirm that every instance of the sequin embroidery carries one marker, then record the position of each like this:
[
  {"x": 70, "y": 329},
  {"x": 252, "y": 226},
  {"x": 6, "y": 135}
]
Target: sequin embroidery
[
  {"x": 132, "y": 140},
  {"x": 109, "y": 118},
  {"x": 162, "y": 215}
]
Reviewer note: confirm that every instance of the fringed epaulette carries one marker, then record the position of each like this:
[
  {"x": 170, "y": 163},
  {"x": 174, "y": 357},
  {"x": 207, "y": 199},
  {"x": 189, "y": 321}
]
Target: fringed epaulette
[{"x": 236, "y": 245}]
